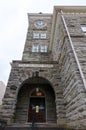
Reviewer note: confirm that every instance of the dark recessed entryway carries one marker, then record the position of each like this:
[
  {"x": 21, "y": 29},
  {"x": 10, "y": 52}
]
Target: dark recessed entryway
[{"x": 35, "y": 93}]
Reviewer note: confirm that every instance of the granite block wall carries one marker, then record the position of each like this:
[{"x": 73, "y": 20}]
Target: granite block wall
[{"x": 74, "y": 93}]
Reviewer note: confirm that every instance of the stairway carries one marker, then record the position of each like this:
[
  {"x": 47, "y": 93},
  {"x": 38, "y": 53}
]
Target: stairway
[
  {"x": 42, "y": 126},
  {"x": 36, "y": 128}
]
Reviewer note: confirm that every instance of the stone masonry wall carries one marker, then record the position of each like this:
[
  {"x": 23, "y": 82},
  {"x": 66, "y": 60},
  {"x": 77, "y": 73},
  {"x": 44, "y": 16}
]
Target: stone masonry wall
[
  {"x": 80, "y": 47},
  {"x": 18, "y": 75},
  {"x": 73, "y": 88}
]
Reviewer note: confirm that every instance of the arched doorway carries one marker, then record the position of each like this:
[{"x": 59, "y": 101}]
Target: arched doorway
[
  {"x": 37, "y": 107},
  {"x": 36, "y": 91}
]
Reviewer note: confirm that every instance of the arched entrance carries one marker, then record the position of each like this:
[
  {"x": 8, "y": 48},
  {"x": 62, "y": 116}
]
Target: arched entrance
[
  {"x": 37, "y": 107},
  {"x": 36, "y": 91}
]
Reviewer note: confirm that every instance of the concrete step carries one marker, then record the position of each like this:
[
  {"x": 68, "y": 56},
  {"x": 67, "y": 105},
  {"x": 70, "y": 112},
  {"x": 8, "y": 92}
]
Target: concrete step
[{"x": 37, "y": 126}]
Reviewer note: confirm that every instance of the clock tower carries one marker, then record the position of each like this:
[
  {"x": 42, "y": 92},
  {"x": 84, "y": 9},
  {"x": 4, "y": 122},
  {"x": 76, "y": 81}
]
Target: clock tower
[
  {"x": 38, "y": 38},
  {"x": 30, "y": 83}
]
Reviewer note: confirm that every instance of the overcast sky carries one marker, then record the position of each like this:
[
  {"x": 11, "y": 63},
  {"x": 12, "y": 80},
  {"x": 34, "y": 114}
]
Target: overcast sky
[{"x": 13, "y": 27}]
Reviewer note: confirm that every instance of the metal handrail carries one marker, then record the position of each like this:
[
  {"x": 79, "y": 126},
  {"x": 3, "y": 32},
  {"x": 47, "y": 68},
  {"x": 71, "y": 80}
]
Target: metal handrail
[
  {"x": 33, "y": 121},
  {"x": 76, "y": 58}
]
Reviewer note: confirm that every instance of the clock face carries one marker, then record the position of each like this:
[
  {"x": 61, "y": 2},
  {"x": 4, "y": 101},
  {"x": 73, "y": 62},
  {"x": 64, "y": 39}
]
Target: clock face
[{"x": 40, "y": 23}]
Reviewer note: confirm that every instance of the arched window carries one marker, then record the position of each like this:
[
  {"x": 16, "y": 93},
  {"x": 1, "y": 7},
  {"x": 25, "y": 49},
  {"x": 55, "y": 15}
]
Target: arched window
[{"x": 37, "y": 92}]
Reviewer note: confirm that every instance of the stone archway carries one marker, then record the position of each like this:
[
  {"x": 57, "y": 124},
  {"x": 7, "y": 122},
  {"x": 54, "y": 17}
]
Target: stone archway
[{"x": 25, "y": 99}]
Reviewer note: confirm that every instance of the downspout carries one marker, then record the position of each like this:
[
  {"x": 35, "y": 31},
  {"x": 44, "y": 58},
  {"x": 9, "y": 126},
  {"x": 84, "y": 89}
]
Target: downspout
[{"x": 75, "y": 55}]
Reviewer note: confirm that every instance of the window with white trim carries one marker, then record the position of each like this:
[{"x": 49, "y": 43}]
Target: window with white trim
[
  {"x": 39, "y": 35},
  {"x": 83, "y": 27},
  {"x": 35, "y": 48},
  {"x": 36, "y": 35},
  {"x": 43, "y": 36},
  {"x": 43, "y": 48}
]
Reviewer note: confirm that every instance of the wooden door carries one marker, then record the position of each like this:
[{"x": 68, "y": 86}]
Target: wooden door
[{"x": 41, "y": 115}]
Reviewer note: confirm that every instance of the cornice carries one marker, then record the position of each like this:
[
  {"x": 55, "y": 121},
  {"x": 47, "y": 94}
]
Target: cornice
[
  {"x": 65, "y": 9},
  {"x": 39, "y": 14},
  {"x": 71, "y": 9}
]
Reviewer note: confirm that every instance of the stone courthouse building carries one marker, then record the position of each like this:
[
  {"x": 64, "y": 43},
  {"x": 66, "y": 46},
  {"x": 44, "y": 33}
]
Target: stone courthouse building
[{"x": 49, "y": 82}]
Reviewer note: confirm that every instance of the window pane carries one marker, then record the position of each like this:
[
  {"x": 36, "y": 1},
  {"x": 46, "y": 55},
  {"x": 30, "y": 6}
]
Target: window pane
[
  {"x": 37, "y": 92},
  {"x": 35, "y": 48},
  {"x": 43, "y": 35},
  {"x": 83, "y": 27},
  {"x": 43, "y": 48},
  {"x": 36, "y": 35}
]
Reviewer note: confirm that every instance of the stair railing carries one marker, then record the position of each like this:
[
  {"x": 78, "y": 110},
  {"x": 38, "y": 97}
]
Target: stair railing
[
  {"x": 34, "y": 116},
  {"x": 33, "y": 121}
]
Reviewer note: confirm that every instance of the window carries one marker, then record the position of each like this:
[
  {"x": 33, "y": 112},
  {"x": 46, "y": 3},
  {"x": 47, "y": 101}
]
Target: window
[
  {"x": 43, "y": 48},
  {"x": 39, "y": 35},
  {"x": 43, "y": 35},
  {"x": 35, "y": 48},
  {"x": 36, "y": 35},
  {"x": 37, "y": 92},
  {"x": 83, "y": 27}
]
